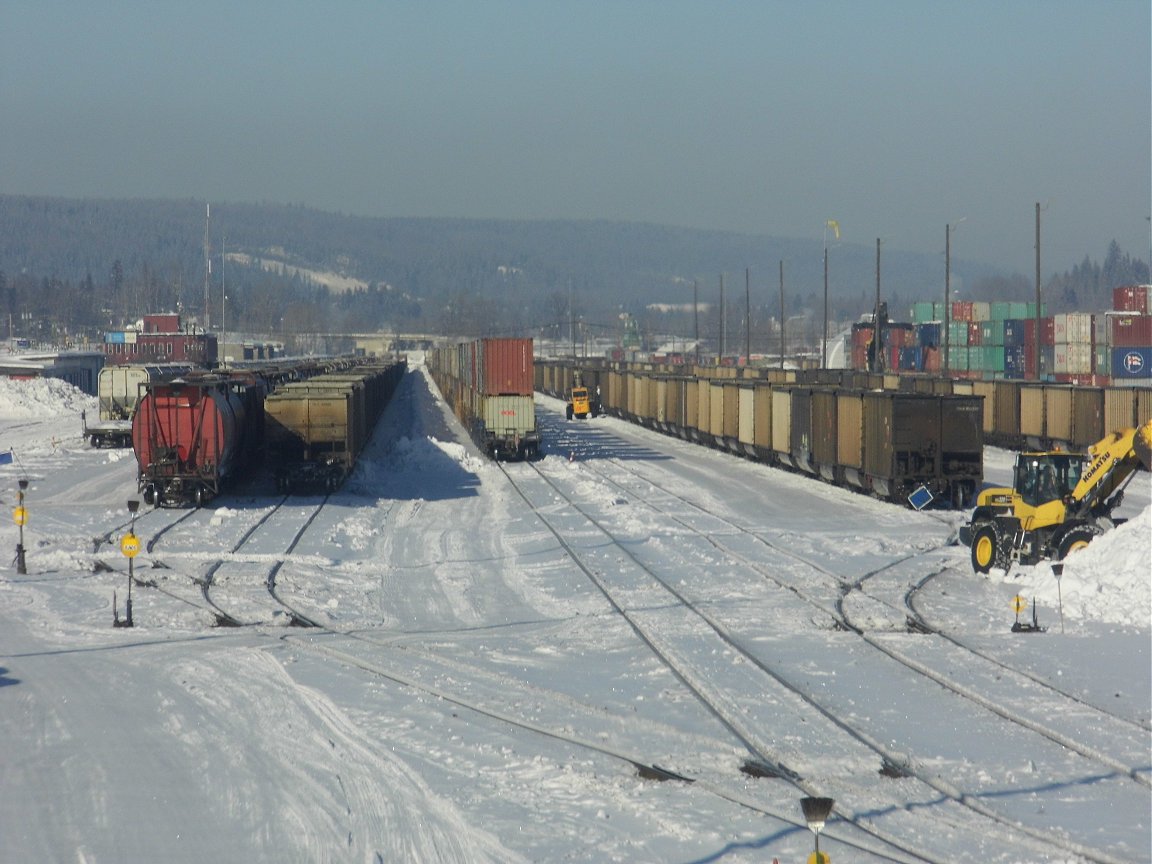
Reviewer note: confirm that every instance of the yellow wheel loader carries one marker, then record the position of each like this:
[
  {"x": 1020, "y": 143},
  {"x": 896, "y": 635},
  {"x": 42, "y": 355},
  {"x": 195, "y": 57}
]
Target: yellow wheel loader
[
  {"x": 580, "y": 403},
  {"x": 1058, "y": 501}
]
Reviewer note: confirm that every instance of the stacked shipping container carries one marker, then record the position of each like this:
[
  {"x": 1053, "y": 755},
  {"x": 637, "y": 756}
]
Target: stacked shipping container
[{"x": 984, "y": 340}]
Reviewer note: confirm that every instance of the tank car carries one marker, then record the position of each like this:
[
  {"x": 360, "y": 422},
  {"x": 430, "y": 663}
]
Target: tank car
[{"x": 193, "y": 435}]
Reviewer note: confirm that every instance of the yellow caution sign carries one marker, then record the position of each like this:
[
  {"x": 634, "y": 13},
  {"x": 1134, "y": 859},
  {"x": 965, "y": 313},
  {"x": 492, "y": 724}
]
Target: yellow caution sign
[
  {"x": 1019, "y": 604},
  {"x": 20, "y": 515},
  {"x": 130, "y": 545},
  {"x": 819, "y": 858}
]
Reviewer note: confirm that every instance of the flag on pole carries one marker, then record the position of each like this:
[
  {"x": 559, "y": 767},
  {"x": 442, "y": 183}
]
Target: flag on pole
[
  {"x": 6, "y": 458},
  {"x": 835, "y": 226}
]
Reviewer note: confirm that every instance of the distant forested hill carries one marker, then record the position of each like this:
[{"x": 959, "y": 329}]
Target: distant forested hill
[{"x": 85, "y": 265}]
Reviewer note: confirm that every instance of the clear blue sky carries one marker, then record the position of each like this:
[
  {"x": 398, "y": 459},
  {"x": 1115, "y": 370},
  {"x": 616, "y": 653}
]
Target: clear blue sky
[{"x": 894, "y": 117}]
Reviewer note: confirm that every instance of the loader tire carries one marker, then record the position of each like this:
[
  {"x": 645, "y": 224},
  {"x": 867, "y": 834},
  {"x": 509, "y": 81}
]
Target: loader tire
[
  {"x": 986, "y": 552},
  {"x": 1075, "y": 540}
]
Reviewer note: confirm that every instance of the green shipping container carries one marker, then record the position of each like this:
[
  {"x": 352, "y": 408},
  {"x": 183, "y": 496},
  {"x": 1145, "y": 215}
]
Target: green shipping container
[
  {"x": 1102, "y": 362},
  {"x": 1000, "y": 311}
]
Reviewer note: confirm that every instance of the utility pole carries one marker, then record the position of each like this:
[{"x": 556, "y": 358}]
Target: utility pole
[
  {"x": 720, "y": 356},
  {"x": 747, "y": 316},
  {"x": 947, "y": 293},
  {"x": 207, "y": 269},
  {"x": 824, "y": 334},
  {"x": 781, "y": 313},
  {"x": 877, "y": 327},
  {"x": 696, "y": 319},
  {"x": 1039, "y": 330}
]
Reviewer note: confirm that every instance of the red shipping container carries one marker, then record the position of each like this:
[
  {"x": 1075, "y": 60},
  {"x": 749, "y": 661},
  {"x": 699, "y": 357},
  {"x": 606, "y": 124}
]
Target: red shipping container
[
  {"x": 962, "y": 310},
  {"x": 975, "y": 334},
  {"x": 1047, "y": 331},
  {"x": 1130, "y": 331},
  {"x": 507, "y": 367},
  {"x": 1131, "y": 298},
  {"x": 931, "y": 359}
]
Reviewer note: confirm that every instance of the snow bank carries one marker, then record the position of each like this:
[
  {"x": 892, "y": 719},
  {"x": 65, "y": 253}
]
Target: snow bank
[
  {"x": 42, "y": 398},
  {"x": 1109, "y": 581}
]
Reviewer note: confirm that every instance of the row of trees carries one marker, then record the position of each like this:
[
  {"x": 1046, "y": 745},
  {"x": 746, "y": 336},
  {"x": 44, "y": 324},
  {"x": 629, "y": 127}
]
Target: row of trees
[{"x": 465, "y": 277}]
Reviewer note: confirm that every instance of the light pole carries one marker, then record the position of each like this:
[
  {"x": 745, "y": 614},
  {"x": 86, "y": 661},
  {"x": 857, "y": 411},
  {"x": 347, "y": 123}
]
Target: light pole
[
  {"x": 835, "y": 226},
  {"x": 20, "y": 515},
  {"x": 948, "y": 229},
  {"x": 816, "y": 812}
]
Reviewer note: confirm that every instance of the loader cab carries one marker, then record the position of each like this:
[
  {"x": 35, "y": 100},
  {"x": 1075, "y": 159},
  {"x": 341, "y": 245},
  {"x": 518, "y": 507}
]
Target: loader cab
[{"x": 1044, "y": 477}]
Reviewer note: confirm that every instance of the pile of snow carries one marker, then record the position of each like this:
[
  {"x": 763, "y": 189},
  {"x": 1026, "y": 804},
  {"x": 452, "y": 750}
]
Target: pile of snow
[
  {"x": 42, "y": 398},
  {"x": 1109, "y": 581}
]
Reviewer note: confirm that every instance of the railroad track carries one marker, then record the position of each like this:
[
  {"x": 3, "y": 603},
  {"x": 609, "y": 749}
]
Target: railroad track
[
  {"x": 899, "y": 762},
  {"x": 245, "y": 573},
  {"x": 1021, "y": 697}
]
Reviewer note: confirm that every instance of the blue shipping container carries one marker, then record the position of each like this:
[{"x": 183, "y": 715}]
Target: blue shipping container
[
  {"x": 910, "y": 359},
  {"x": 928, "y": 334},
  {"x": 1013, "y": 332},
  {"x": 1015, "y": 362},
  {"x": 114, "y": 338},
  {"x": 1132, "y": 363}
]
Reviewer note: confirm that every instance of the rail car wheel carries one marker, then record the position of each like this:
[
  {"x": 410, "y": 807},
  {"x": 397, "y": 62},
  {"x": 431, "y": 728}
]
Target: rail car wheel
[
  {"x": 985, "y": 549},
  {"x": 1075, "y": 540},
  {"x": 149, "y": 495}
]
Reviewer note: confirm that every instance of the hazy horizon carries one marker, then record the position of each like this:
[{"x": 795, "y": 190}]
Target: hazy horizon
[{"x": 766, "y": 118}]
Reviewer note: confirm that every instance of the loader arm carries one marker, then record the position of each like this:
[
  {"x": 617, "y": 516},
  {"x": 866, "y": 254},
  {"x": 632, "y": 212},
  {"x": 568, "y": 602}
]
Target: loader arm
[{"x": 1111, "y": 464}]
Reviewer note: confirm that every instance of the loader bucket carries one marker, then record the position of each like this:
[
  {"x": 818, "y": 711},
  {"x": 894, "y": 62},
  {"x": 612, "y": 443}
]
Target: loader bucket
[{"x": 1142, "y": 444}]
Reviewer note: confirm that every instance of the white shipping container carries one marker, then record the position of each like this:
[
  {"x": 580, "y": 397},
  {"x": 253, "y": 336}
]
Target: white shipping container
[
  {"x": 981, "y": 311},
  {"x": 1060, "y": 328},
  {"x": 1073, "y": 359},
  {"x": 1080, "y": 327}
]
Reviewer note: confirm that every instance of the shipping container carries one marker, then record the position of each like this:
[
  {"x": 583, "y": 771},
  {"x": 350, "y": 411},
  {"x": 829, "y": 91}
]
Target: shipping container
[
  {"x": 1131, "y": 363},
  {"x": 1130, "y": 331},
  {"x": 1131, "y": 298},
  {"x": 505, "y": 367}
]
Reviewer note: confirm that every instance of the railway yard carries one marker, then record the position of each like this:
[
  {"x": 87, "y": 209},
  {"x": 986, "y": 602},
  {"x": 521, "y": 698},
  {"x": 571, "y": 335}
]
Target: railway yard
[{"x": 630, "y": 648}]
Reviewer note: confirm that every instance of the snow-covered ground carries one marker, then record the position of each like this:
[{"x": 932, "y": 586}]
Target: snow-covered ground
[{"x": 517, "y": 664}]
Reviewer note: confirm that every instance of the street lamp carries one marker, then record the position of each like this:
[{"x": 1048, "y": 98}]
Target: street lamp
[
  {"x": 816, "y": 812},
  {"x": 20, "y": 516}
]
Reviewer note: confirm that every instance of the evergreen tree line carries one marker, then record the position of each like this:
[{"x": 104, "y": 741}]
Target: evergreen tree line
[{"x": 72, "y": 269}]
